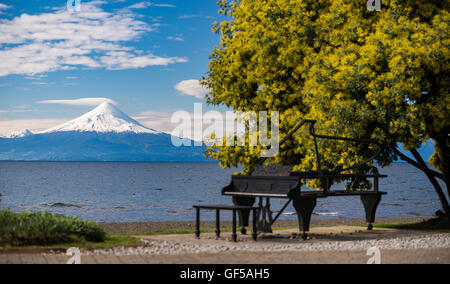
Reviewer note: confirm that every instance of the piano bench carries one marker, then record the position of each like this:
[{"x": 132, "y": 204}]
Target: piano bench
[{"x": 218, "y": 208}]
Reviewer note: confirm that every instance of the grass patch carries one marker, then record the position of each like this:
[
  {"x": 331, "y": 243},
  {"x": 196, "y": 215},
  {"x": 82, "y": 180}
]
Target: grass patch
[
  {"x": 434, "y": 225},
  {"x": 44, "y": 229},
  {"x": 110, "y": 242}
]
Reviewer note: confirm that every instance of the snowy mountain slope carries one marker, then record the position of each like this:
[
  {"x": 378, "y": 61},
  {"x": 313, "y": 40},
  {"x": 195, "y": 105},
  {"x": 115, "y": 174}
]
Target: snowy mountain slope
[
  {"x": 20, "y": 134},
  {"x": 103, "y": 119}
]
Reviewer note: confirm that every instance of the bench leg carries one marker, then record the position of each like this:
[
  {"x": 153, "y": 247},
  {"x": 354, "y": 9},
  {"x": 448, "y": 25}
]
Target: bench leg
[
  {"x": 255, "y": 233},
  {"x": 234, "y": 235},
  {"x": 197, "y": 224},
  {"x": 218, "y": 223},
  {"x": 371, "y": 203},
  {"x": 305, "y": 207}
]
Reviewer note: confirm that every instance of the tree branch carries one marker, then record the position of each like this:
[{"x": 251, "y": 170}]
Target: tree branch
[{"x": 416, "y": 164}]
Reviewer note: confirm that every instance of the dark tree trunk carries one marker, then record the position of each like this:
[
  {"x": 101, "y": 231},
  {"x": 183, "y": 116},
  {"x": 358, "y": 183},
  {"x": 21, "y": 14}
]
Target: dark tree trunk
[
  {"x": 433, "y": 180},
  {"x": 444, "y": 157}
]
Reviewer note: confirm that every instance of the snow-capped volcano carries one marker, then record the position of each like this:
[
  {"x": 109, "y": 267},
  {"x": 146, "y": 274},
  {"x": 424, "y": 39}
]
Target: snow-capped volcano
[
  {"x": 103, "y": 134},
  {"x": 106, "y": 118}
]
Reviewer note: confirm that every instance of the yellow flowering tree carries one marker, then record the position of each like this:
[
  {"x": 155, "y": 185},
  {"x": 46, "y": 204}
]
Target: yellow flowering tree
[{"x": 381, "y": 75}]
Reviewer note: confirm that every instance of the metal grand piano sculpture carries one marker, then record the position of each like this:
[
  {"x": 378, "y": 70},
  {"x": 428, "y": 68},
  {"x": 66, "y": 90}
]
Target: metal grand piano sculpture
[{"x": 245, "y": 189}]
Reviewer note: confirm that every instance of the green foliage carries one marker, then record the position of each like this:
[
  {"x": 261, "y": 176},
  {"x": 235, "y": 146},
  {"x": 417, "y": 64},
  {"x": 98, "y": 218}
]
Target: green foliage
[
  {"x": 110, "y": 242},
  {"x": 25, "y": 229},
  {"x": 433, "y": 225},
  {"x": 373, "y": 75}
]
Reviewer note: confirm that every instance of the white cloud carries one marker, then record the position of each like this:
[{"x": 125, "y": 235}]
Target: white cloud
[
  {"x": 36, "y": 77},
  {"x": 156, "y": 120},
  {"x": 39, "y": 83},
  {"x": 92, "y": 38},
  {"x": 191, "y": 88},
  {"x": 117, "y": 60},
  {"x": 143, "y": 5},
  {"x": 140, "y": 5},
  {"x": 189, "y": 16},
  {"x": 162, "y": 121},
  {"x": 19, "y": 109},
  {"x": 71, "y": 84},
  {"x": 4, "y": 7},
  {"x": 79, "y": 102},
  {"x": 176, "y": 38},
  {"x": 163, "y": 5}
]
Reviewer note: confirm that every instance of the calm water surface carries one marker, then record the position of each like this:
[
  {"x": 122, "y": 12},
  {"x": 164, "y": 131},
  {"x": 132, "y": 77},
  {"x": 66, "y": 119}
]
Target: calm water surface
[{"x": 138, "y": 192}]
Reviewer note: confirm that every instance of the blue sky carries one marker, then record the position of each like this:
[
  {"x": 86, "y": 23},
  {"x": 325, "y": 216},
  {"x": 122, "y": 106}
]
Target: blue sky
[{"x": 132, "y": 52}]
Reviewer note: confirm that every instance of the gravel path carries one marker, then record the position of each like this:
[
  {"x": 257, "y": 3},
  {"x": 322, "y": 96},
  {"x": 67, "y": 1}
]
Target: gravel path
[{"x": 433, "y": 241}]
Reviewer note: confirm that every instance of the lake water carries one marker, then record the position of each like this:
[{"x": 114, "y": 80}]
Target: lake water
[{"x": 138, "y": 192}]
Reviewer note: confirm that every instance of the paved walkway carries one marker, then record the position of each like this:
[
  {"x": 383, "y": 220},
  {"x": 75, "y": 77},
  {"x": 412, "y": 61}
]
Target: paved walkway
[{"x": 428, "y": 256}]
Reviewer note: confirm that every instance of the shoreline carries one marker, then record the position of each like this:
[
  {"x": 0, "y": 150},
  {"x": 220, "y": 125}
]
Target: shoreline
[{"x": 136, "y": 228}]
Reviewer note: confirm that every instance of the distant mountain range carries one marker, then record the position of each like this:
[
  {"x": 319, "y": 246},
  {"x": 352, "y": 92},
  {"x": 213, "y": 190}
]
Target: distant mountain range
[
  {"x": 107, "y": 134},
  {"x": 103, "y": 134}
]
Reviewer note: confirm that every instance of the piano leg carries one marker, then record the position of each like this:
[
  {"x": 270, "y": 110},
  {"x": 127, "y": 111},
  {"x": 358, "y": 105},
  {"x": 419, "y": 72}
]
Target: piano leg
[
  {"x": 265, "y": 220},
  {"x": 244, "y": 215},
  {"x": 305, "y": 207},
  {"x": 371, "y": 203}
]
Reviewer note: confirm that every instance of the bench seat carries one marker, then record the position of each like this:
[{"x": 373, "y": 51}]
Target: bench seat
[{"x": 235, "y": 209}]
